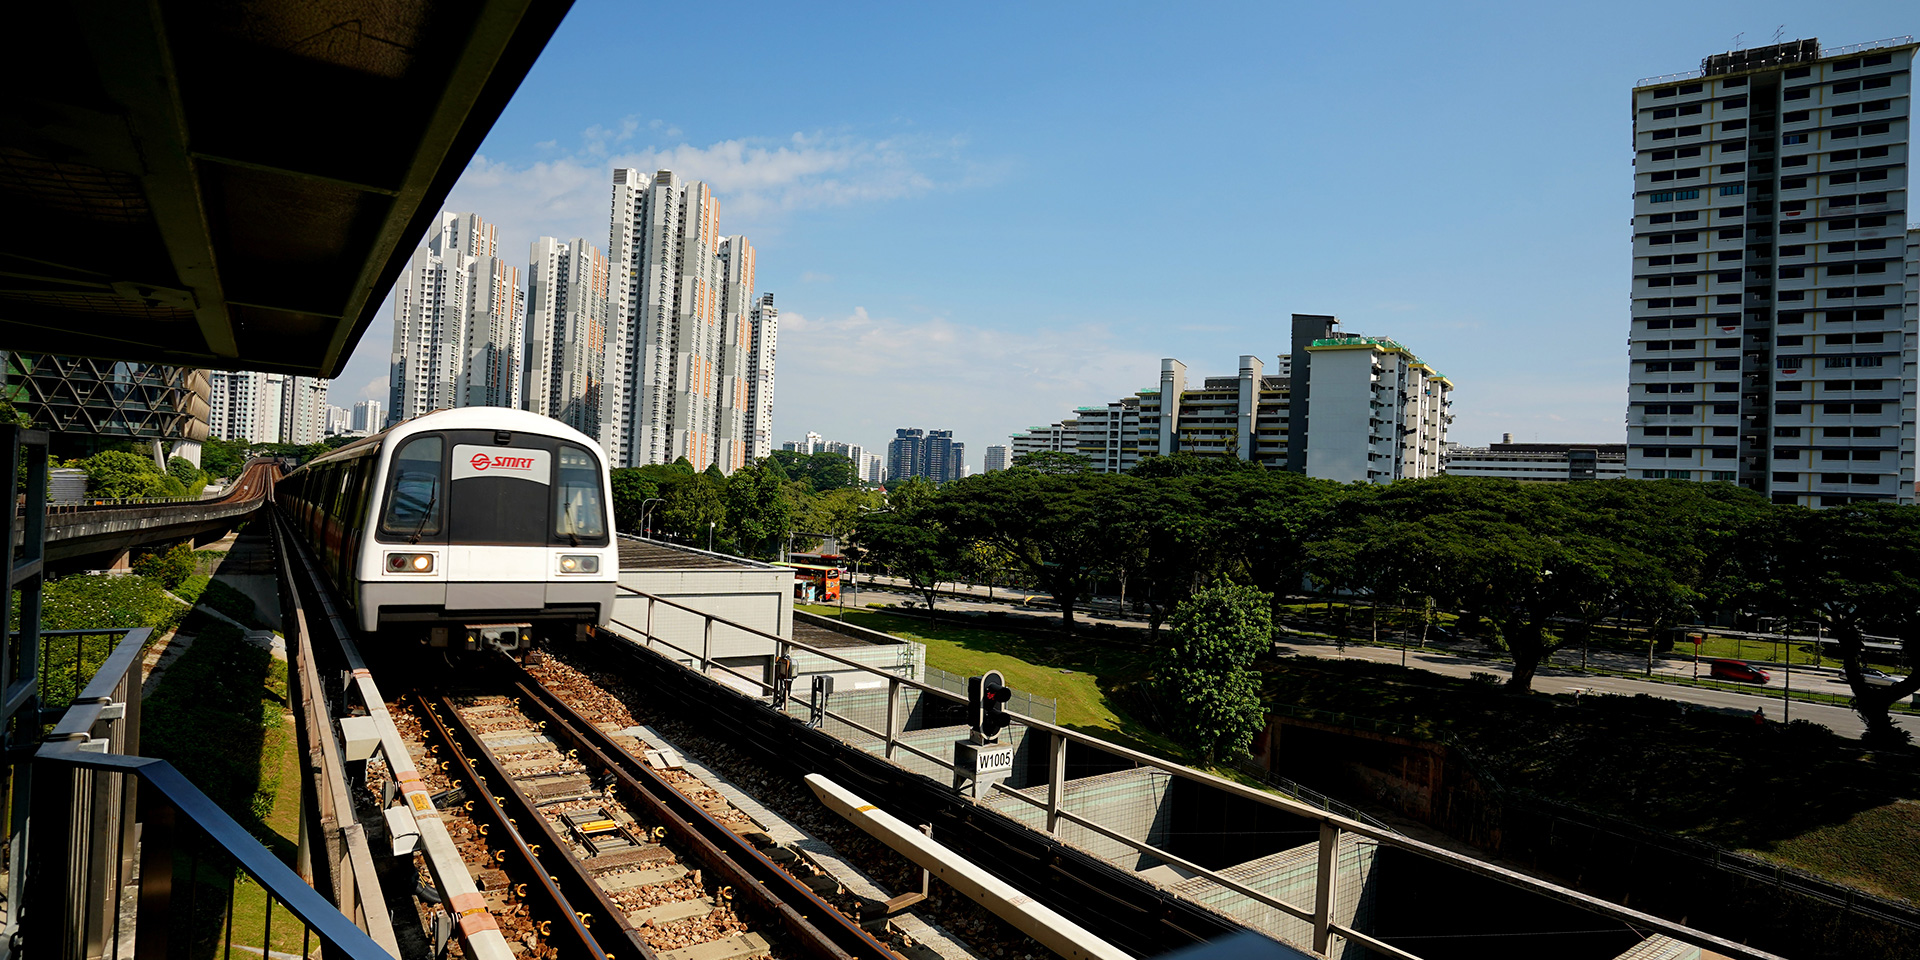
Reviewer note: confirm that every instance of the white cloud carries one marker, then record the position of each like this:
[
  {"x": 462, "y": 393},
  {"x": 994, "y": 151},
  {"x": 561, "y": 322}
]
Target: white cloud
[
  {"x": 853, "y": 377},
  {"x": 376, "y": 389},
  {"x": 758, "y": 180}
]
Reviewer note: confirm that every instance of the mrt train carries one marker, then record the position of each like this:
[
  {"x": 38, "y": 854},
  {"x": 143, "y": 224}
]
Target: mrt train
[{"x": 474, "y": 528}]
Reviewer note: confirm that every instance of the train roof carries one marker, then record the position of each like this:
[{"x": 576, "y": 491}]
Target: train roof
[{"x": 465, "y": 418}]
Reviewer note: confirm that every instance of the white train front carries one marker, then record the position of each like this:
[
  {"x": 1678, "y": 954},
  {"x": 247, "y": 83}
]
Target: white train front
[{"x": 469, "y": 528}]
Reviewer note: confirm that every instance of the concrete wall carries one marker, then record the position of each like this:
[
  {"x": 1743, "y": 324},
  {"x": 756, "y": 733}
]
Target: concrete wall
[
  {"x": 1290, "y": 875},
  {"x": 1132, "y": 803},
  {"x": 1337, "y": 441},
  {"x": 756, "y": 597}
]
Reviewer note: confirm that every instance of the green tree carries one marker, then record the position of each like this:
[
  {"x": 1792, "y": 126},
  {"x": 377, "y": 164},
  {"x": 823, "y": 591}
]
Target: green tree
[
  {"x": 1854, "y": 567},
  {"x": 170, "y": 566},
  {"x": 221, "y": 458},
  {"x": 914, "y": 546},
  {"x": 694, "y": 505},
  {"x": 1056, "y": 526},
  {"x": 632, "y": 488},
  {"x": 183, "y": 470},
  {"x": 119, "y": 474},
  {"x": 758, "y": 513},
  {"x": 1207, "y": 672}
]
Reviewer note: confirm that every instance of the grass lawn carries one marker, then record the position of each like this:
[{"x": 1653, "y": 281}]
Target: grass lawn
[
  {"x": 191, "y": 588},
  {"x": 1083, "y": 677},
  {"x": 1872, "y": 851}
]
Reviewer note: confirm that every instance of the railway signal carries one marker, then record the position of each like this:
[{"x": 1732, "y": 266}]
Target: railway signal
[{"x": 987, "y": 697}]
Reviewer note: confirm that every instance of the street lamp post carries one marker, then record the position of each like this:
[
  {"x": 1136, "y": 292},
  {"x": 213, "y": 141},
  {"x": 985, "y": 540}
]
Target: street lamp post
[
  {"x": 709, "y": 536},
  {"x": 645, "y": 508}
]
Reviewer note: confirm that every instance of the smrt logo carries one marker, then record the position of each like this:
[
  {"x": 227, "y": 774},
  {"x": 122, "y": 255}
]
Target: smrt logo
[{"x": 483, "y": 462}]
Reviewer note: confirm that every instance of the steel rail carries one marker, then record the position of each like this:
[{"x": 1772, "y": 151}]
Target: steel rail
[
  {"x": 821, "y": 928},
  {"x": 490, "y": 810}
]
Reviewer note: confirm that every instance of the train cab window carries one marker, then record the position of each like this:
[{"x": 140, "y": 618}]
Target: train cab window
[
  {"x": 415, "y": 505},
  {"x": 498, "y": 492},
  {"x": 579, "y": 513}
]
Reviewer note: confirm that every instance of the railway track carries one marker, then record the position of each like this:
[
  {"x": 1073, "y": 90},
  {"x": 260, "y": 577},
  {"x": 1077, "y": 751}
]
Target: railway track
[{"x": 581, "y": 848}]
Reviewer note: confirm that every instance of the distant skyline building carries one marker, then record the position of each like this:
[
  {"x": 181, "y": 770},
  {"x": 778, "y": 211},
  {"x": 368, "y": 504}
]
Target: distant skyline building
[
  {"x": 256, "y": 407},
  {"x": 679, "y": 332},
  {"x": 1771, "y": 341},
  {"x": 567, "y": 304},
  {"x": 1538, "y": 462},
  {"x": 459, "y": 322},
  {"x": 1379, "y": 413},
  {"x": 761, "y": 353},
  {"x": 338, "y": 420},
  {"x": 997, "y": 458},
  {"x": 368, "y": 416},
  {"x": 933, "y": 454}
]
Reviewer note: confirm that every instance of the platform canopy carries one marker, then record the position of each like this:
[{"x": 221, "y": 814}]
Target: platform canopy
[{"x": 235, "y": 184}]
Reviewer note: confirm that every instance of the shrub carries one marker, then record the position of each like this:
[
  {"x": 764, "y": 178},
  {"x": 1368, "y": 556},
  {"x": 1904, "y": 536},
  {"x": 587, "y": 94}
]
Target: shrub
[
  {"x": 116, "y": 473},
  {"x": 217, "y": 685},
  {"x": 183, "y": 470},
  {"x": 170, "y": 567}
]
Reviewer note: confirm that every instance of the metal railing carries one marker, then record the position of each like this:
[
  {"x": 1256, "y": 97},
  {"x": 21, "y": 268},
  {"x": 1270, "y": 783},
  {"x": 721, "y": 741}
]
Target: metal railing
[
  {"x": 1826, "y": 53},
  {"x": 188, "y": 883},
  {"x": 1331, "y": 825}
]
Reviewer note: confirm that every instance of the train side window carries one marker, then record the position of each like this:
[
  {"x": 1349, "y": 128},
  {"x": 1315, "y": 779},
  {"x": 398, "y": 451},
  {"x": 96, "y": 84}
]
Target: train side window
[
  {"x": 578, "y": 511},
  {"x": 415, "y": 503}
]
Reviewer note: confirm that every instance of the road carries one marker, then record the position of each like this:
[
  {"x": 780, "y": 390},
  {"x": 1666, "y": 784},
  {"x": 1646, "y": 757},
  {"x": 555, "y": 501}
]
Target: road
[{"x": 1841, "y": 720}]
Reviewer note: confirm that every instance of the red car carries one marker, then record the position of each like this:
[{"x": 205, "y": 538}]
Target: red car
[{"x": 1735, "y": 670}]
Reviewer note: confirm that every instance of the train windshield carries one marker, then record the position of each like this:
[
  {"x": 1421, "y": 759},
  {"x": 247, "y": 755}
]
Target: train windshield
[
  {"x": 498, "y": 492},
  {"x": 578, "y": 513},
  {"x": 416, "y": 505}
]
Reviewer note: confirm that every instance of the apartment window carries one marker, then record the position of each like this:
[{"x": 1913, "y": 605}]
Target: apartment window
[
  {"x": 1840, "y": 270},
  {"x": 1795, "y": 116},
  {"x": 1685, "y": 215},
  {"x": 1657, "y": 409},
  {"x": 1734, "y": 147},
  {"x": 1729, "y": 126},
  {"x": 1726, "y": 388},
  {"x": 1875, "y": 106},
  {"x": 1779, "y": 477},
  {"x": 1688, "y": 131},
  {"x": 1836, "y": 432},
  {"x": 1833, "y": 454},
  {"x": 1728, "y": 343},
  {"x": 1833, "y": 478},
  {"x": 1797, "y": 161},
  {"x": 1866, "y": 384},
  {"x": 1742, "y": 81},
  {"x": 1688, "y": 173},
  {"x": 1873, "y": 221},
  {"x": 1838, "y": 408},
  {"x": 1733, "y": 103},
  {"x": 1792, "y": 206},
  {"x": 1680, "y": 409},
  {"x": 1798, "y": 93},
  {"x": 1668, "y": 92},
  {"x": 1878, "y": 60},
  {"x": 1657, "y": 366},
  {"x": 1781, "y": 453},
  {"x": 1660, "y": 218},
  {"x": 1847, "y": 87},
  {"x": 1683, "y": 323},
  {"x": 1833, "y": 385},
  {"x": 1661, "y": 198},
  {"x": 1732, "y": 212},
  {"x": 1876, "y": 83},
  {"x": 1659, "y": 344},
  {"x": 1659, "y": 303},
  {"x": 1657, "y": 388},
  {"x": 1870, "y": 244},
  {"x": 1866, "y": 431},
  {"x": 1867, "y": 338},
  {"x": 1660, "y": 176},
  {"x": 1683, "y": 344},
  {"x": 1868, "y": 291},
  {"x": 1836, "y": 178},
  {"x": 1793, "y": 296},
  {"x": 1793, "y": 250},
  {"x": 1792, "y": 183},
  {"x": 1872, "y": 198},
  {"x": 1726, "y": 255},
  {"x": 1732, "y": 190},
  {"x": 1662, "y": 113},
  {"x": 1685, "y": 152},
  {"x": 1786, "y": 431},
  {"x": 1666, "y": 134},
  {"x": 1843, "y": 133},
  {"x": 1658, "y": 324},
  {"x": 1726, "y": 431},
  {"x": 1729, "y": 276},
  {"x": 1659, "y": 281},
  {"x": 1789, "y": 386},
  {"x": 1792, "y": 273},
  {"x": 1798, "y": 72},
  {"x": 1792, "y": 341},
  {"x": 1725, "y": 408},
  {"x": 1839, "y": 338},
  {"x": 1866, "y": 408},
  {"x": 1792, "y": 316},
  {"x": 1786, "y": 140},
  {"x": 1726, "y": 364},
  {"x": 1793, "y": 227},
  {"x": 1682, "y": 366}
]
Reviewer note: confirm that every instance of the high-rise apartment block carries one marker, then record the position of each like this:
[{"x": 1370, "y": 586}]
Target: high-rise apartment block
[
  {"x": 997, "y": 458},
  {"x": 267, "y": 407},
  {"x": 680, "y": 330},
  {"x": 369, "y": 416},
  {"x": 765, "y": 322},
  {"x": 1772, "y": 336},
  {"x": 566, "y": 352},
  {"x": 1378, "y": 413},
  {"x": 933, "y": 454},
  {"x": 338, "y": 419},
  {"x": 459, "y": 322}
]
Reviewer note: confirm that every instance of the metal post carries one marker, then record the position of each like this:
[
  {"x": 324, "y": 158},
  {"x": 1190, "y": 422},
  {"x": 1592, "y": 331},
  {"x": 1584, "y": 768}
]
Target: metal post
[
  {"x": 156, "y": 875},
  {"x": 1056, "y": 781},
  {"x": 893, "y": 714},
  {"x": 706, "y": 649},
  {"x": 1323, "y": 886},
  {"x": 1786, "y": 695},
  {"x": 649, "y": 621}
]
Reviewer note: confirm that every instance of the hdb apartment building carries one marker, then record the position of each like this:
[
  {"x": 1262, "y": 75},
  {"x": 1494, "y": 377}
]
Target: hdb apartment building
[{"x": 1774, "y": 317}]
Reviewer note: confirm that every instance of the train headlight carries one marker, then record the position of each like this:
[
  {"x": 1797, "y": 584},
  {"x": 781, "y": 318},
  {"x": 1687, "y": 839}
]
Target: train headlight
[
  {"x": 409, "y": 563},
  {"x": 577, "y": 563}
]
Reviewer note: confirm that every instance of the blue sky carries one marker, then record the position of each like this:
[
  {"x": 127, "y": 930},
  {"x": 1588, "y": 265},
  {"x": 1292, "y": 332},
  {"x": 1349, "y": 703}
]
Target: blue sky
[{"x": 980, "y": 217}]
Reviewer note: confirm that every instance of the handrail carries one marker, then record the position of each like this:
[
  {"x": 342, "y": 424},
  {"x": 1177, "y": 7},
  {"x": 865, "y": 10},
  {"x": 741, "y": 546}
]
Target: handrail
[
  {"x": 275, "y": 877},
  {"x": 1332, "y": 824}
]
